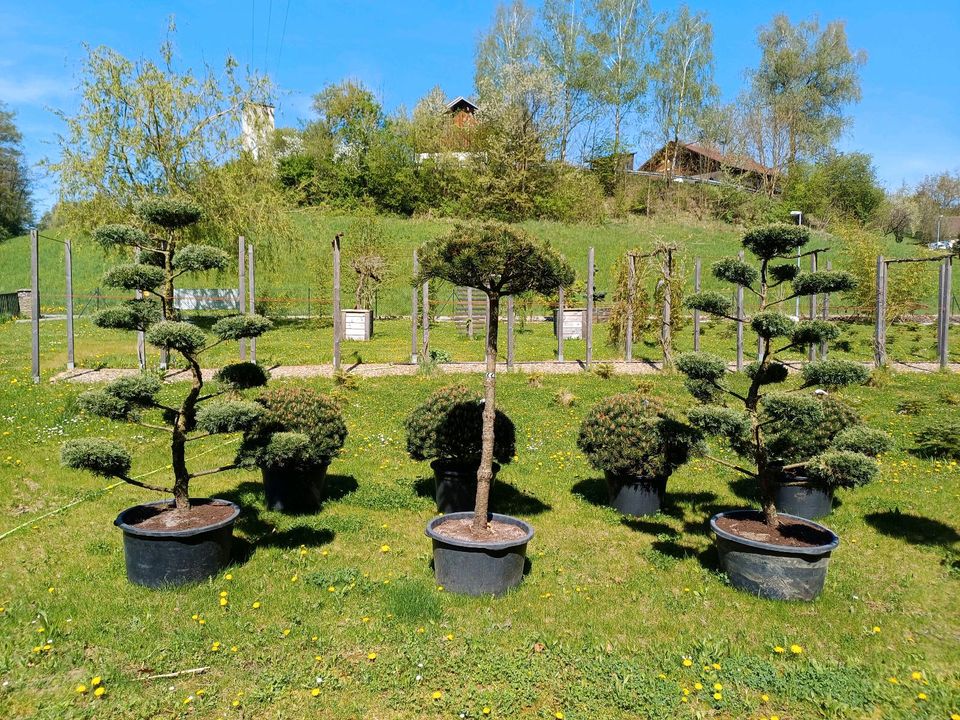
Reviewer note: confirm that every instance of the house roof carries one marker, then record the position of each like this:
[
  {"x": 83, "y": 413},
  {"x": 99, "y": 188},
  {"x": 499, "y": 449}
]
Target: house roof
[
  {"x": 459, "y": 101},
  {"x": 734, "y": 161}
]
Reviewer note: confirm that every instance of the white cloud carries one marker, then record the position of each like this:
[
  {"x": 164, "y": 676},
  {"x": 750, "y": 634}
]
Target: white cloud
[{"x": 33, "y": 90}]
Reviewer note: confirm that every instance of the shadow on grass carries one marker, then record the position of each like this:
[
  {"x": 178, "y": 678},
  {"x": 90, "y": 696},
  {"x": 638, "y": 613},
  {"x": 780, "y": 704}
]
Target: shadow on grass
[
  {"x": 915, "y": 529},
  {"x": 593, "y": 491},
  {"x": 259, "y": 532},
  {"x": 504, "y": 497}
]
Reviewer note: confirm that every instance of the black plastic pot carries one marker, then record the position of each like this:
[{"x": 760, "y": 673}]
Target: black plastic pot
[
  {"x": 456, "y": 489},
  {"x": 163, "y": 558},
  {"x": 803, "y": 499},
  {"x": 773, "y": 571},
  {"x": 636, "y": 497},
  {"x": 295, "y": 492},
  {"x": 478, "y": 568}
]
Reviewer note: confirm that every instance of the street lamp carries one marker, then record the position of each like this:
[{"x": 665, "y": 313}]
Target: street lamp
[
  {"x": 798, "y": 214},
  {"x": 939, "y": 218}
]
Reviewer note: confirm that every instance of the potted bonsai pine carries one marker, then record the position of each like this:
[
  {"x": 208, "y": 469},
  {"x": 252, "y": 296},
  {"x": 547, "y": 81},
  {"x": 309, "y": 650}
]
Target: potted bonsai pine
[
  {"x": 637, "y": 445},
  {"x": 765, "y": 553},
  {"x": 809, "y": 495},
  {"x": 297, "y": 435},
  {"x": 448, "y": 428},
  {"x": 481, "y": 553},
  {"x": 182, "y": 539}
]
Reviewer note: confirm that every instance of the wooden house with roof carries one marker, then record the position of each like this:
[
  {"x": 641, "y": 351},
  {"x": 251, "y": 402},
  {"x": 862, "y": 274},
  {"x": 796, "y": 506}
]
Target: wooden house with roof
[{"x": 704, "y": 163}]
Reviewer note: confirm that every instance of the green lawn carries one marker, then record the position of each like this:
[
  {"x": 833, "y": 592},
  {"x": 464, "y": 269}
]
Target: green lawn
[
  {"x": 306, "y": 342},
  {"x": 599, "y": 628}
]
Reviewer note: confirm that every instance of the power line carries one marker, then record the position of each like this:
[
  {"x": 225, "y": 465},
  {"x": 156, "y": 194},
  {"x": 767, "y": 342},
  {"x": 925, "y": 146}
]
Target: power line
[
  {"x": 266, "y": 49},
  {"x": 283, "y": 32},
  {"x": 253, "y": 24}
]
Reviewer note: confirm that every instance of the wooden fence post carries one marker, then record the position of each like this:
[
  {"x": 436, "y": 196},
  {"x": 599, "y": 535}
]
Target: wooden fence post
[
  {"x": 559, "y": 322},
  {"x": 242, "y": 286},
  {"x": 252, "y": 307},
  {"x": 510, "y": 324},
  {"x": 470, "y": 313},
  {"x": 631, "y": 294},
  {"x": 880, "y": 331},
  {"x": 68, "y": 262},
  {"x": 666, "y": 328},
  {"x": 141, "y": 339},
  {"x": 812, "y": 348},
  {"x": 825, "y": 315},
  {"x": 740, "y": 323},
  {"x": 414, "y": 313},
  {"x": 589, "y": 318},
  {"x": 696, "y": 313},
  {"x": 35, "y": 304},
  {"x": 425, "y": 323},
  {"x": 337, "y": 319}
]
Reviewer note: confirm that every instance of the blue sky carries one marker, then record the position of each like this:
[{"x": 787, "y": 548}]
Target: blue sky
[{"x": 909, "y": 119}]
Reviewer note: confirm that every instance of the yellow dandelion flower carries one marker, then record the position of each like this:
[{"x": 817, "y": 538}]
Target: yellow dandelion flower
[
  {"x": 235, "y": 703},
  {"x": 286, "y": 631},
  {"x": 371, "y": 656},
  {"x": 687, "y": 662},
  {"x": 201, "y": 621},
  {"x": 439, "y": 588},
  {"x": 223, "y": 602},
  {"x": 384, "y": 548},
  {"x": 194, "y": 617},
  {"x": 916, "y": 675},
  {"x": 716, "y": 666},
  {"x": 228, "y": 576},
  {"x": 256, "y": 605},
  {"x": 437, "y": 695},
  {"x": 81, "y": 689},
  {"x": 765, "y": 697},
  {"x": 796, "y": 649},
  {"x": 233, "y": 648},
  {"x": 331, "y": 589},
  {"x": 96, "y": 681},
  {"x": 315, "y": 692},
  {"x": 100, "y": 691},
  {"x": 717, "y": 686},
  {"x": 893, "y": 681},
  {"x": 558, "y": 715},
  {"x": 876, "y": 629},
  {"x": 421, "y": 630},
  {"x": 486, "y": 711},
  {"x": 779, "y": 649},
  {"x": 662, "y": 676},
  {"x": 698, "y": 686},
  {"x": 294, "y": 578},
  {"x": 303, "y": 551},
  {"x": 921, "y": 696},
  {"x": 686, "y": 691},
  {"x": 774, "y": 717},
  {"x": 223, "y": 593},
  {"x": 718, "y": 696}
]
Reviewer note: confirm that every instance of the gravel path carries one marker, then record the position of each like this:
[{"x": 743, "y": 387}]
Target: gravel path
[{"x": 395, "y": 369}]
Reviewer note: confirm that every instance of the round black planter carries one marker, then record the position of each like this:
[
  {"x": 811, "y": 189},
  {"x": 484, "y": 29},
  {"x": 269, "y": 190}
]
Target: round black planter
[
  {"x": 456, "y": 485},
  {"x": 773, "y": 571},
  {"x": 294, "y": 492},
  {"x": 633, "y": 497},
  {"x": 802, "y": 499},
  {"x": 478, "y": 568},
  {"x": 158, "y": 558}
]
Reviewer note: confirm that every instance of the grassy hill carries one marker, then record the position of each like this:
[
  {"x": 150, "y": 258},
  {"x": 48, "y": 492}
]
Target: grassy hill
[{"x": 293, "y": 277}]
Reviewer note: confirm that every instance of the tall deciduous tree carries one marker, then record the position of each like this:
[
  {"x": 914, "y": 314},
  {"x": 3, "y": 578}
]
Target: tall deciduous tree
[
  {"x": 683, "y": 76},
  {"x": 620, "y": 41},
  {"x": 807, "y": 76},
  {"x": 16, "y": 211},
  {"x": 563, "y": 54},
  {"x": 146, "y": 127}
]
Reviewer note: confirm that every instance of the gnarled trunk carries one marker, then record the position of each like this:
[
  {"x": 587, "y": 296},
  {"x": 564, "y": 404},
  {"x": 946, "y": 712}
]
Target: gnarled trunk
[
  {"x": 485, "y": 473},
  {"x": 178, "y": 444}
]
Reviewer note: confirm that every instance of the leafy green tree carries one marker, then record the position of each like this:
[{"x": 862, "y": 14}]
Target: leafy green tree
[
  {"x": 807, "y": 76},
  {"x": 767, "y": 413},
  {"x": 146, "y": 127},
  {"x": 622, "y": 33},
  {"x": 131, "y": 398},
  {"x": 682, "y": 76},
  {"x": 499, "y": 260},
  {"x": 838, "y": 186},
  {"x": 16, "y": 211}
]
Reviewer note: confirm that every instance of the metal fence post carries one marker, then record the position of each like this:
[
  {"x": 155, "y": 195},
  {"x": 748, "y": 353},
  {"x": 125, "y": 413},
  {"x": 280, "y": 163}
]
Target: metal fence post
[
  {"x": 252, "y": 304},
  {"x": 880, "y": 328},
  {"x": 35, "y": 304},
  {"x": 812, "y": 348},
  {"x": 589, "y": 318},
  {"x": 242, "y": 289},
  {"x": 631, "y": 282},
  {"x": 825, "y": 315},
  {"x": 559, "y": 324},
  {"x": 510, "y": 321},
  {"x": 68, "y": 262},
  {"x": 336, "y": 301},
  {"x": 141, "y": 339},
  {"x": 740, "y": 323},
  {"x": 414, "y": 314},
  {"x": 696, "y": 313}
]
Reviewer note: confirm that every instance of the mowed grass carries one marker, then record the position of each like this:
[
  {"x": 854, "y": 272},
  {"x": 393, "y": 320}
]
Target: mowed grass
[
  {"x": 310, "y": 342},
  {"x": 349, "y": 621}
]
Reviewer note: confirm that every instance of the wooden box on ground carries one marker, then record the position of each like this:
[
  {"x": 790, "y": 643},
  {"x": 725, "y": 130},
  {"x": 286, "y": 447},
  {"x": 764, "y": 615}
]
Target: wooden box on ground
[
  {"x": 357, "y": 324},
  {"x": 574, "y": 320}
]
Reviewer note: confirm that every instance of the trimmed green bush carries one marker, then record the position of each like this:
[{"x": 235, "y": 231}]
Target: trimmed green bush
[
  {"x": 835, "y": 373},
  {"x": 448, "y": 426},
  {"x": 735, "y": 271},
  {"x": 132, "y": 314},
  {"x": 101, "y": 457},
  {"x": 228, "y": 416},
  {"x": 110, "y": 236},
  {"x": 103, "y": 404},
  {"x": 807, "y": 332},
  {"x": 772, "y": 324},
  {"x": 239, "y": 327},
  {"x": 841, "y": 468},
  {"x": 823, "y": 281},
  {"x": 710, "y": 301},
  {"x": 177, "y": 335},
  {"x": 200, "y": 258},
  {"x": 864, "y": 440},
  {"x": 170, "y": 213},
  {"x": 134, "y": 276},
  {"x": 776, "y": 240},
  {"x": 242, "y": 376},
  {"x": 137, "y": 389},
  {"x": 939, "y": 441}
]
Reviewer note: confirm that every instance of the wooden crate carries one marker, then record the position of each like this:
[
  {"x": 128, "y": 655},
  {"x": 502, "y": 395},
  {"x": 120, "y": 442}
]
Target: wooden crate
[{"x": 357, "y": 324}]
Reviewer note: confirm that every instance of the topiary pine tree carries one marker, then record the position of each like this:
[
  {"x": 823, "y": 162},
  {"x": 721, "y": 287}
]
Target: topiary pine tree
[
  {"x": 160, "y": 262},
  {"x": 765, "y": 414},
  {"x": 499, "y": 260}
]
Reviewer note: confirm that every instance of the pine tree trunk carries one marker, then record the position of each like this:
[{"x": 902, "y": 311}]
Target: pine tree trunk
[
  {"x": 181, "y": 426},
  {"x": 485, "y": 473}
]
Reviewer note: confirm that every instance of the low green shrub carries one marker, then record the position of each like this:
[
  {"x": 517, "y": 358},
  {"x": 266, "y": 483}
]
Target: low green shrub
[
  {"x": 448, "y": 426},
  {"x": 939, "y": 441},
  {"x": 631, "y": 436}
]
